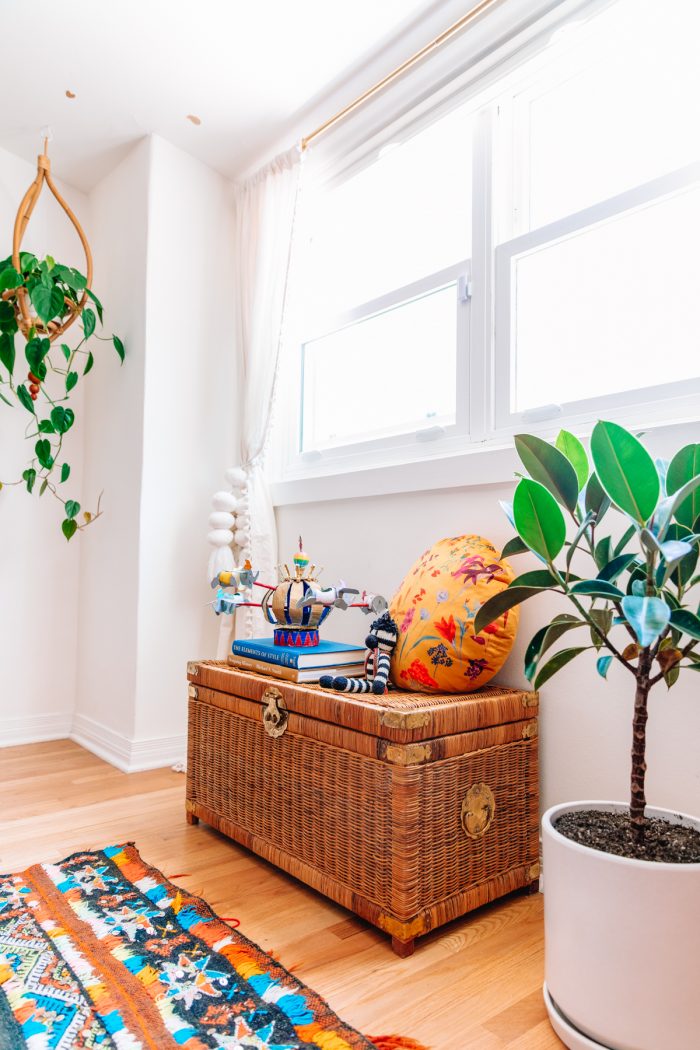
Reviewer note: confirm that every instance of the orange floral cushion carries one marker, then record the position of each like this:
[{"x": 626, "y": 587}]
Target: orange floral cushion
[{"x": 435, "y": 607}]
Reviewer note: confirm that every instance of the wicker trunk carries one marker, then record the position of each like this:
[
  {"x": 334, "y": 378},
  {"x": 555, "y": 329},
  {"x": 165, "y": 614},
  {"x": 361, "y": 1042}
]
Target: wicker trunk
[{"x": 409, "y": 809}]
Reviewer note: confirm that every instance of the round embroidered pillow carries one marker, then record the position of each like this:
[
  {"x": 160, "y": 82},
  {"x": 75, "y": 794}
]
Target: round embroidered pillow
[{"x": 435, "y": 607}]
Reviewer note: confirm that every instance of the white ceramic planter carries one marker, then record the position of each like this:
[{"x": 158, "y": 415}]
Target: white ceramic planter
[{"x": 622, "y": 943}]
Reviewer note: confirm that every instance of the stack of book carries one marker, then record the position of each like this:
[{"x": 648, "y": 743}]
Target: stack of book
[{"x": 298, "y": 665}]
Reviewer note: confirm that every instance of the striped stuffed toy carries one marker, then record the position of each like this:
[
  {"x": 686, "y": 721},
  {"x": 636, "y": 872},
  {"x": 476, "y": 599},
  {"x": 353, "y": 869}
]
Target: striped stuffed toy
[{"x": 380, "y": 642}]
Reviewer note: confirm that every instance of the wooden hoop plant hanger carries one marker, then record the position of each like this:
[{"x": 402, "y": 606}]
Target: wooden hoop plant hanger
[{"x": 25, "y": 320}]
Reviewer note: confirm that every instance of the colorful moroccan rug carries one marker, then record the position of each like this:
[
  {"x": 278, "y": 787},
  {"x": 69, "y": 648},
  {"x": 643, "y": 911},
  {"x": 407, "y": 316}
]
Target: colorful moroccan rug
[{"x": 102, "y": 951}]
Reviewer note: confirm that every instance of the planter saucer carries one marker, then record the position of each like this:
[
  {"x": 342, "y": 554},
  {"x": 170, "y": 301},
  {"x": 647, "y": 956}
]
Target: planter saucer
[{"x": 570, "y": 1036}]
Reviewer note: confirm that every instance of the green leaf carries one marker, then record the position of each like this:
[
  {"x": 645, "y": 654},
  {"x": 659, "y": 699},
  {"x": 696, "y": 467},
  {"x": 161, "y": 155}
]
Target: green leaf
[
  {"x": 603, "y": 619},
  {"x": 119, "y": 347},
  {"x": 595, "y": 500},
  {"x": 626, "y": 470},
  {"x": 35, "y": 352},
  {"x": 578, "y": 535},
  {"x": 66, "y": 351},
  {"x": 43, "y": 453},
  {"x": 624, "y": 540},
  {"x": 549, "y": 466},
  {"x": 96, "y": 301},
  {"x": 72, "y": 508},
  {"x": 27, "y": 262},
  {"x": 500, "y": 603},
  {"x": 89, "y": 363},
  {"x": 44, "y": 486},
  {"x": 540, "y": 578},
  {"x": 70, "y": 277},
  {"x": 597, "y": 589},
  {"x": 687, "y": 622},
  {"x": 62, "y": 418},
  {"x": 65, "y": 472},
  {"x": 48, "y": 302},
  {"x": 514, "y": 546},
  {"x": 616, "y": 567},
  {"x": 69, "y": 528},
  {"x": 647, "y": 617},
  {"x": 45, "y": 426},
  {"x": 29, "y": 476},
  {"x": 539, "y": 519},
  {"x": 9, "y": 278},
  {"x": 89, "y": 321},
  {"x": 570, "y": 446},
  {"x": 561, "y": 659},
  {"x": 25, "y": 398},
  {"x": 7, "y": 351},
  {"x": 545, "y": 638},
  {"x": 685, "y": 466},
  {"x": 71, "y": 380},
  {"x": 683, "y": 573},
  {"x": 7, "y": 402},
  {"x": 603, "y": 665},
  {"x": 602, "y": 553}
]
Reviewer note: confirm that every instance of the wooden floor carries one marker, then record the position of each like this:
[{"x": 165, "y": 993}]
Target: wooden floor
[{"x": 473, "y": 985}]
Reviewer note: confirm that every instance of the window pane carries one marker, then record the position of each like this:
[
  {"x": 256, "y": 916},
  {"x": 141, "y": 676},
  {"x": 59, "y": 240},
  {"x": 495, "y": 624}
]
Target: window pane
[
  {"x": 613, "y": 308},
  {"x": 389, "y": 374},
  {"x": 617, "y": 104},
  {"x": 404, "y": 216}
]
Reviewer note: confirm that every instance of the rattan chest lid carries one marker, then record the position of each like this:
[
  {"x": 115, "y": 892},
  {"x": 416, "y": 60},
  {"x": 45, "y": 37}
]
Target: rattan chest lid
[{"x": 399, "y": 716}]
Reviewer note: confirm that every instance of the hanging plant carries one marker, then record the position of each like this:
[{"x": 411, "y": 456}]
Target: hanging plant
[{"x": 39, "y": 301}]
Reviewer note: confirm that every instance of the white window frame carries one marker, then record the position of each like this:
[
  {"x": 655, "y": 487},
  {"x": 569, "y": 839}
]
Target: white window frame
[
  {"x": 506, "y": 257},
  {"x": 478, "y": 449}
]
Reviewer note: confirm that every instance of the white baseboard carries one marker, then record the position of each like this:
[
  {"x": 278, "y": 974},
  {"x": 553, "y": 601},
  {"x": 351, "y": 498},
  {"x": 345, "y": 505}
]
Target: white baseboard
[
  {"x": 131, "y": 756},
  {"x": 31, "y": 729}
]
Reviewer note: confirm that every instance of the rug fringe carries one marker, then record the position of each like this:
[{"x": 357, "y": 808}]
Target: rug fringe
[{"x": 395, "y": 1042}]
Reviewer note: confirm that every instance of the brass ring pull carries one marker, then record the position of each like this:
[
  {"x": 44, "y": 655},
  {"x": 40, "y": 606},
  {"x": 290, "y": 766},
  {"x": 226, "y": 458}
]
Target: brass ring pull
[
  {"x": 275, "y": 714},
  {"x": 478, "y": 810}
]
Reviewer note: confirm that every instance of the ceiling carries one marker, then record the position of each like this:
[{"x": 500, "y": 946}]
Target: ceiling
[{"x": 247, "y": 69}]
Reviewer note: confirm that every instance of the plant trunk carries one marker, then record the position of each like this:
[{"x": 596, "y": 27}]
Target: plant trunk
[{"x": 638, "y": 800}]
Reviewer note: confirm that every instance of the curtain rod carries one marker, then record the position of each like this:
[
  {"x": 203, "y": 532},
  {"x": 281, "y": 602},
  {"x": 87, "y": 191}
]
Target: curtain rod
[{"x": 443, "y": 38}]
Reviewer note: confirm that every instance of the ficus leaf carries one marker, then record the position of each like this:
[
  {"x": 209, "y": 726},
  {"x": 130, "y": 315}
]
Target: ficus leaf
[
  {"x": 538, "y": 519},
  {"x": 687, "y": 622},
  {"x": 561, "y": 659},
  {"x": 545, "y": 638},
  {"x": 500, "y": 603},
  {"x": 540, "y": 578},
  {"x": 631, "y": 651},
  {"x": 597, "y": 589},
  {"x": 603, "y": 665},
  {"x": 514, "y": 546},
  {"x": 646, "y": 616},
  {"x": 683, "y": 468},
  {"x": 595, "y": 500},
  {"x": 571, "y": 447},
  {"x": 546, "y": 464},
  {"x": 616, "y": 567},
  {"x": 625, "y": 470}
]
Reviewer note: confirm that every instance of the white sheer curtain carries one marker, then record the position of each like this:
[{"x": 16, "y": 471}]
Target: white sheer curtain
[{"x": 265, "y": 208}]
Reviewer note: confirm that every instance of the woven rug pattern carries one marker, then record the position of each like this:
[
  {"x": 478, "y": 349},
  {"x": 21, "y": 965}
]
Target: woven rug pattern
[{"x": 102, "y": 951}]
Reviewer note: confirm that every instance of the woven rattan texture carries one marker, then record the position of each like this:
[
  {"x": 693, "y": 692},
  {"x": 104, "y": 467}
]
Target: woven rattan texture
[{"x": 322, "y": 805}]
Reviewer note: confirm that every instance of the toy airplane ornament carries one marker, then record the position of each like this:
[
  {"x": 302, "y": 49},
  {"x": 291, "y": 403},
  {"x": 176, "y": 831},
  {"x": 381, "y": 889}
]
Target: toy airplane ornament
[{"x": 296, "y": 606}]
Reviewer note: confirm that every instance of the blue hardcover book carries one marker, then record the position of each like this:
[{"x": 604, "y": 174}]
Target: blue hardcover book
[{"x": 325, "y": 654}]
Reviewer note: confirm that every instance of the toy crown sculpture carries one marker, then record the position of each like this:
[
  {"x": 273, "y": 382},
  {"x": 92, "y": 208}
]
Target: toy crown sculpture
[{"x": 295, "y": 624}]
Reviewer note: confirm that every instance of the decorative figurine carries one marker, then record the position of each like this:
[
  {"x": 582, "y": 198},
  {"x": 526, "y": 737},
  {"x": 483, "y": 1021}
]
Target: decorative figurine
[
  {"x": 297, "y": 605},
  {"x": 380, "y": 642}
]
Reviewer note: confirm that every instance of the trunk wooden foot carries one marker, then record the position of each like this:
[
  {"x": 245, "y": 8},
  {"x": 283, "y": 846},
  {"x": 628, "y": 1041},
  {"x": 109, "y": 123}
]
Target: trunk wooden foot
[
  {"x": 192, "y": 818},
  {"x": 403, "y": 948},
  {"x": 532, "y": 887}
]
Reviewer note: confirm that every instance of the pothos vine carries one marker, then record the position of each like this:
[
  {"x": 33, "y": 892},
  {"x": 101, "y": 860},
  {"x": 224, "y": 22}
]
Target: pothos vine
[{"x": 54, "y": 291}]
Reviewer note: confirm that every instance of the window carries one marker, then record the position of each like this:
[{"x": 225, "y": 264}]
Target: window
[{"x": 524, "y": 252}]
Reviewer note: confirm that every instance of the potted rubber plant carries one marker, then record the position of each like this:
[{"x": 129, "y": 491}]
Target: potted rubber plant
[{"x": 622, "y": 880}]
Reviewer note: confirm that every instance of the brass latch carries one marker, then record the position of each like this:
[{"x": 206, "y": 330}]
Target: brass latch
[
  {"x": 275, "y": 715},
  {"x": 478, "y": 810}
]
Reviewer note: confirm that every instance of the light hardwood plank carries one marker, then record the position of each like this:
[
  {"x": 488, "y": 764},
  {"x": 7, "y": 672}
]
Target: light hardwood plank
[{"x": 473, "y": 985}]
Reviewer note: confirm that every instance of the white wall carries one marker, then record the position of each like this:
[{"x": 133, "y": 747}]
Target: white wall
[
  {"x": 585, "y": 732},
  {"x": 38, "y": 569},
  {"x": 160, "y": 433}
]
